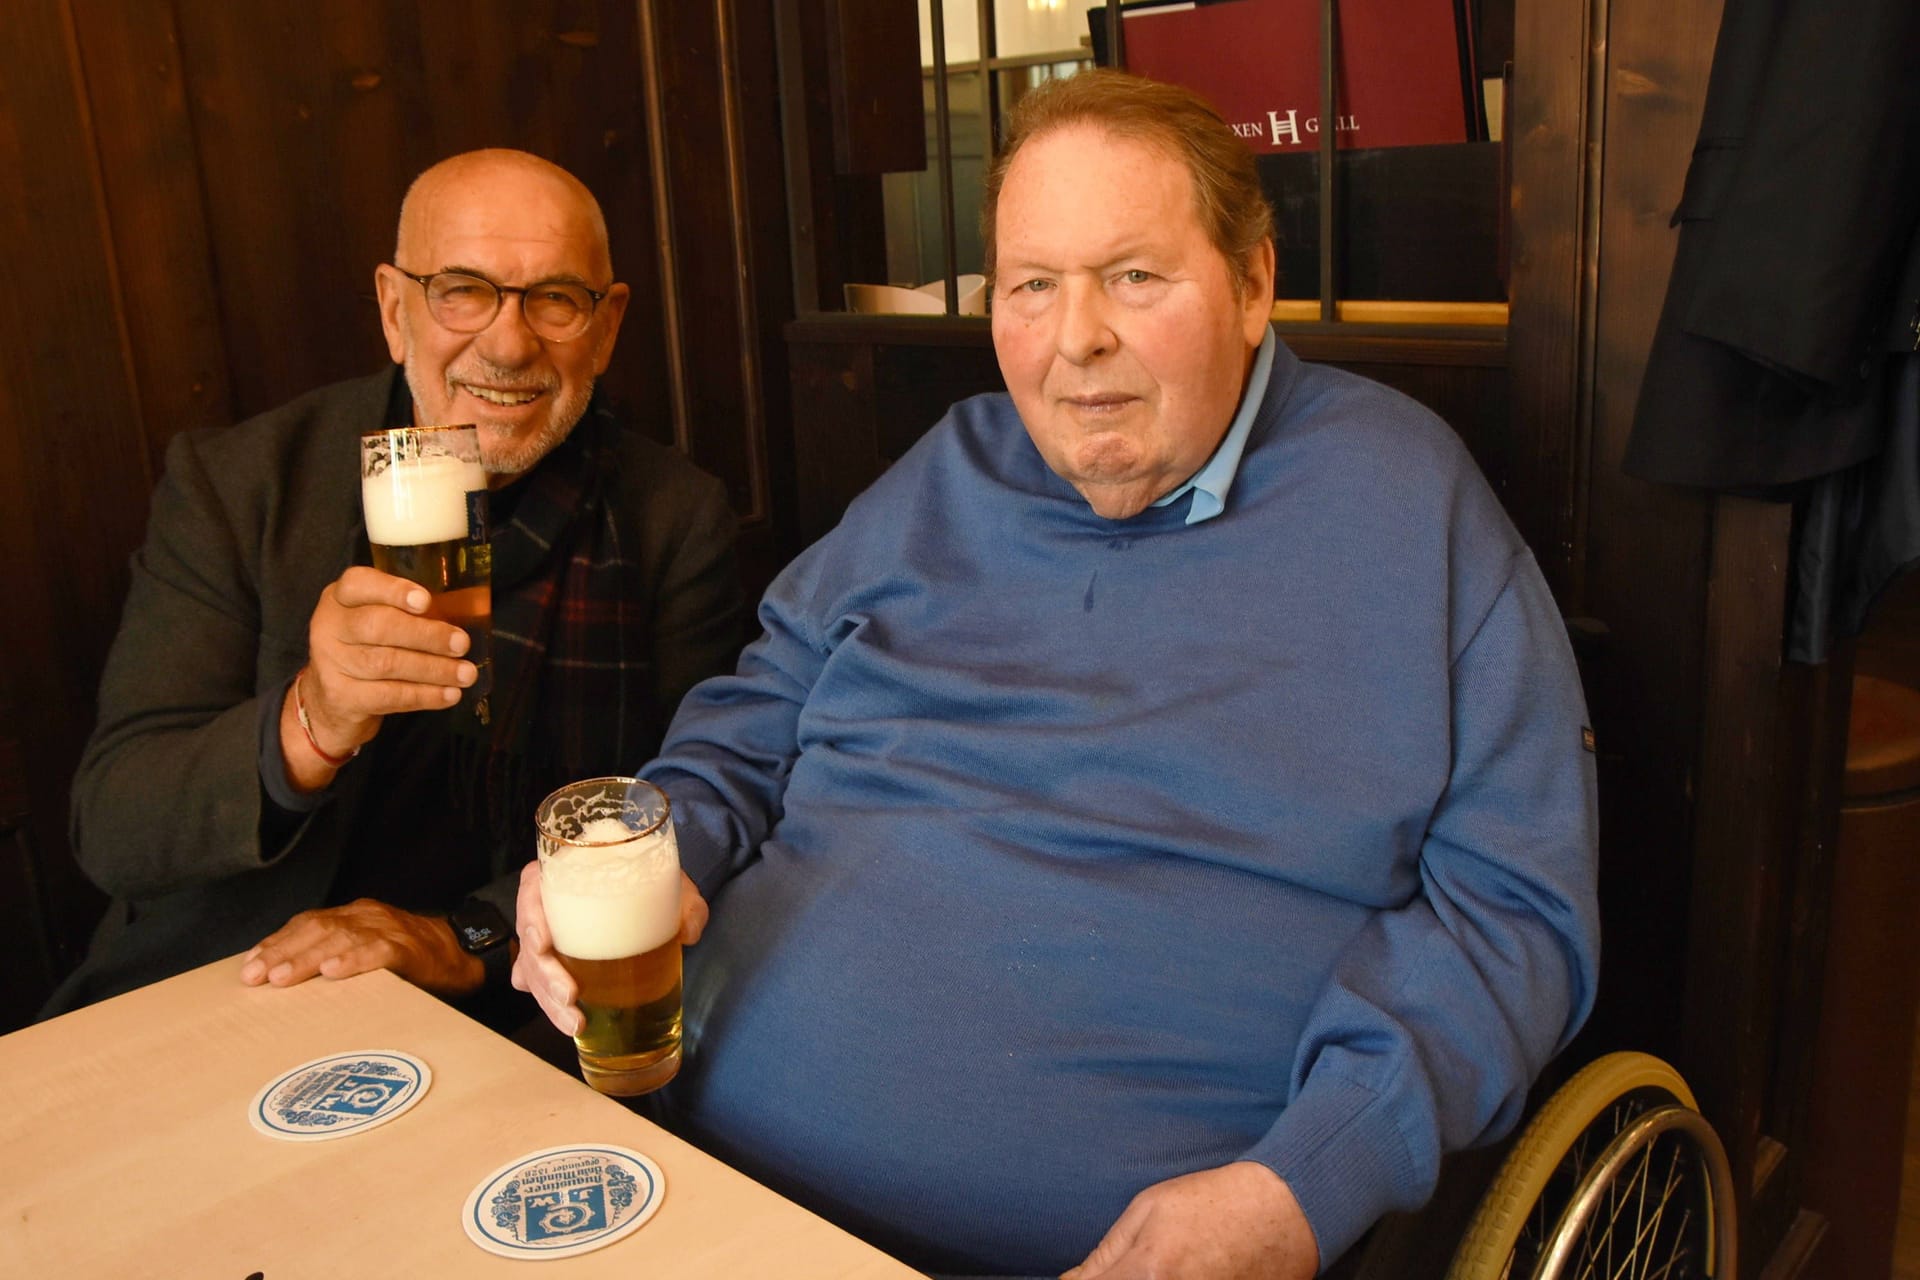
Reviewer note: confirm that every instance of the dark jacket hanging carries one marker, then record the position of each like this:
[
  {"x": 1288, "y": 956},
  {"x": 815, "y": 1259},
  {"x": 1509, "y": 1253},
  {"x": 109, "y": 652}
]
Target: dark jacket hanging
[{"x": 1801, "y": 202}]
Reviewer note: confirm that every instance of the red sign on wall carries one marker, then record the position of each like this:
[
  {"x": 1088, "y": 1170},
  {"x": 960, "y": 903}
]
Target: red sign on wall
[{"x": 1258, "y": 61}]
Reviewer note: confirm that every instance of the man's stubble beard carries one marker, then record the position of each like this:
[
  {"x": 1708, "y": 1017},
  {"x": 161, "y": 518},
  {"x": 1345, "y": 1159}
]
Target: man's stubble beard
[{"x": 563, "y": 414}]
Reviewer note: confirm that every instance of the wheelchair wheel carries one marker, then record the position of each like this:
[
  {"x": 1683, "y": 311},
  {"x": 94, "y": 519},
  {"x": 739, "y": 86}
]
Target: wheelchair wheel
[{"x": 1618, "y": 1175}]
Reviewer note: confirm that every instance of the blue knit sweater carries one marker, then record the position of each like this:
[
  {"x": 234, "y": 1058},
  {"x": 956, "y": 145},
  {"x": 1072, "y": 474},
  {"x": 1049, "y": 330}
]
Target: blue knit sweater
[{"x": 1052, "y": 856}]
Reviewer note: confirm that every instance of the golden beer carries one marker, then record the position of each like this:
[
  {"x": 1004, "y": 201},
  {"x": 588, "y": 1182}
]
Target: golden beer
[
  {"x": 424, "y": 493},
  {"x": 632, "y": 1009},
  {"x": 458, "y": 576},
  {"x": 610, "y": 884}
]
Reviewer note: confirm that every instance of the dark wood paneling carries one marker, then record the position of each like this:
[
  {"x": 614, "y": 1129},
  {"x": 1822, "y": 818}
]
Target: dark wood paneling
[
  {"x": 1858, "y": 1093},
  {"x": 73, "y": 467},
  {"x": 1772, "y": 739},
  {"x": 1547, "y": 152},
  {"x": 873, "y": 77},
  {"x": 1643, "y": 567},
  {"x": 767, "y": 296},
  {"x": 304, "y": 161},
  {"x": 1814, "y": 748},
  {"x": 136, "y": 89},
  {"x": 836, "y": 442},
  {"x": 703, "y": 287},
  {"x": 1733, "y": 933}
]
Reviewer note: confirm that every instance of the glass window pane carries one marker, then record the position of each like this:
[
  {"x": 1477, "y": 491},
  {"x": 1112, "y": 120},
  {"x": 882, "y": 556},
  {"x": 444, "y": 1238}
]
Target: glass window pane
[
  {"x": 914, "y": 251},
  {"x": 1023, "y": 27},
  {"x": 963, "y": 32}
]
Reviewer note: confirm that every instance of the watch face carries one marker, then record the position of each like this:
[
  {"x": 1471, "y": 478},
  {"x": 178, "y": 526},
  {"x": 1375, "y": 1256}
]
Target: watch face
[
  {"x": 478, "y": 937},
  {"x": 479, "y": 926}
]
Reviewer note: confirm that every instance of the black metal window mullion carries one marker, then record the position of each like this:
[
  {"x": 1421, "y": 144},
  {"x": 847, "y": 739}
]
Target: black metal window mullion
[
  {"x": 943, "y": 137},
  {"x": 1329, "y": 146},
  {"x": 989, "y": 100}
]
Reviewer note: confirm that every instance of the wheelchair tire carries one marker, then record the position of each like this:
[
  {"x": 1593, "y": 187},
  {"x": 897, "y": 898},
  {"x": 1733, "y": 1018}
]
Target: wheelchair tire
[{"x": 1597, "y": 1139}]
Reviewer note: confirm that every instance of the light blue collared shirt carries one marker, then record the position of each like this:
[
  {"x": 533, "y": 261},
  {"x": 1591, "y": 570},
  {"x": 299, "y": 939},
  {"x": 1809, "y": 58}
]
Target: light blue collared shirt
[{"x": 1210, "y": 483}]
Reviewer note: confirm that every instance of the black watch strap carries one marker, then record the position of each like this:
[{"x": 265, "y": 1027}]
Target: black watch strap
[{"x": 482, "y": 930}]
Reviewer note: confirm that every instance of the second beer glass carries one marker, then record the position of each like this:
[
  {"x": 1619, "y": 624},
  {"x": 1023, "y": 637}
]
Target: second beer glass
[
  {"x": 424, "y": 493},
  {"x": 610, "y": 882}
]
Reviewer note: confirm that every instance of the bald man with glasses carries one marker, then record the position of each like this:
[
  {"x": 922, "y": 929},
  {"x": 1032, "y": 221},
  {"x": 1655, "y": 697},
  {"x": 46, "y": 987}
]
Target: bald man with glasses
[{"x": 282, "y": 766}]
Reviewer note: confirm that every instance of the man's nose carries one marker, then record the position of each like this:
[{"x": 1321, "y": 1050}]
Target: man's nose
[
  {"x": 509, "y": 340},
  {"x": 1084, "y": 331}
]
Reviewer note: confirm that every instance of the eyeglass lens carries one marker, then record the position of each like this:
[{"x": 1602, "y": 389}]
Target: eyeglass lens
[{"x": 467, "y": 304}]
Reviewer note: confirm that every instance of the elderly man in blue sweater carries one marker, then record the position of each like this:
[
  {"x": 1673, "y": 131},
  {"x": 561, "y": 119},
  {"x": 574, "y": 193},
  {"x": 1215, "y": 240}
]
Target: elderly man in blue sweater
[{"x": 1154, "y": 826}]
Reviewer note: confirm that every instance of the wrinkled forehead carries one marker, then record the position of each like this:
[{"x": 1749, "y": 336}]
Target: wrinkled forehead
[
  {"x": 1070, "y": 153},
  {"x": 1082, "y": 183}
]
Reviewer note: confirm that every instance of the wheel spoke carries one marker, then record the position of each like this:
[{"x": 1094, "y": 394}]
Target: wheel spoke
[
  {"x": 1680, "y": 1253},
  {"x": 1675, "y": 1176},
  {"x": 1642, "y": 1262},
  {"x": 1591, "y": 1245},
  {"x": 1645, "y": 1231}
]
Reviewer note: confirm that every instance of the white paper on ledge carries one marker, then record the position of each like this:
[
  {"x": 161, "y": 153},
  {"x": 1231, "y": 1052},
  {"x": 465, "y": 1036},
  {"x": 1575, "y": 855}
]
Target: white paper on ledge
[{"x": 893, "y": 299}]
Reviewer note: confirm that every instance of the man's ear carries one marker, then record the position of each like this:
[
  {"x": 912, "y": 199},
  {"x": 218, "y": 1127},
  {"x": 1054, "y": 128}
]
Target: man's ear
[
  {"x": 389, "y": 286},
  {"x": 613, "y": 309},
  {"x": 1257, "y": 305}
]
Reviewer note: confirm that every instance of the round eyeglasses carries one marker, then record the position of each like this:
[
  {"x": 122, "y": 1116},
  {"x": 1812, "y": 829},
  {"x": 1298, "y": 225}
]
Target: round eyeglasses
[{"x": 557, "y": 310}]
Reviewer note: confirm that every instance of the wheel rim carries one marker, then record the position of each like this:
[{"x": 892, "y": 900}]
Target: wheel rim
[
  {"x": 1521, "y": 1212},
  {"x": 1656, "y": 1204},
  {"x": 1537, "y": 1231}
]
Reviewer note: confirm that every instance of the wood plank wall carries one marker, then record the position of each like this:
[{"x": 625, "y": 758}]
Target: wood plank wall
[
  {"x": 198, "y": 193},
  {"x": 1719, "y": 761}
]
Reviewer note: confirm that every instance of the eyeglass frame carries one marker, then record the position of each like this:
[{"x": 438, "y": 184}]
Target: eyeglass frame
[{"x": 499, "y": 298}]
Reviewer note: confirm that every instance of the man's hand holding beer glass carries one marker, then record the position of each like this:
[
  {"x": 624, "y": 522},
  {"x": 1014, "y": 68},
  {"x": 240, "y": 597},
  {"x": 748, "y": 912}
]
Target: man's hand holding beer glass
[
  {"x": 537, "y": 969},
  {"x": 372, "y": 652}
]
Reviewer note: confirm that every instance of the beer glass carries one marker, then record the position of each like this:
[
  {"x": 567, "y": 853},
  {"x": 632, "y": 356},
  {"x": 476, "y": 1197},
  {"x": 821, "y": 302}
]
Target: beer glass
[
  {"x": 610, "y": 881},
  {"x": 424, "y": 493}
]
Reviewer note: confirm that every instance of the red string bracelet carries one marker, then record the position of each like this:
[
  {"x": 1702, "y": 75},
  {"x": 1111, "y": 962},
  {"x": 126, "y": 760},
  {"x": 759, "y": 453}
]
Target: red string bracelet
[{"x": 306, "y": 727}]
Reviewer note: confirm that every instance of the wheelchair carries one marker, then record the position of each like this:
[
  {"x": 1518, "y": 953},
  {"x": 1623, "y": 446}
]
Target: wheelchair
[{"x": 1617, "y": 1175}]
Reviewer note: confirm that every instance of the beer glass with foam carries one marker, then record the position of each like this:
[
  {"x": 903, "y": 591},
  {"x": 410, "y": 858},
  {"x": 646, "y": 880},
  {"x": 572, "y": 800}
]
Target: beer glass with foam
[
  {"x": 424, "y": 493},
  {"x": 610, "y": 882}
]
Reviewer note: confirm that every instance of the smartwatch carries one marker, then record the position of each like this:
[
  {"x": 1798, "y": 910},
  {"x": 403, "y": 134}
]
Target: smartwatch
[{"x": 483, "y": 931}]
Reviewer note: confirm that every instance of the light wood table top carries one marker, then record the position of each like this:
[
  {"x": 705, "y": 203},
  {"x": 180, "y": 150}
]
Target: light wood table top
[{"x": 126, "y": 1150}]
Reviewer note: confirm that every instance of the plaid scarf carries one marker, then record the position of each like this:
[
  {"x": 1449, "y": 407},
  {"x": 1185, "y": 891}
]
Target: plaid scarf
[{"x": 571, "y": 688}]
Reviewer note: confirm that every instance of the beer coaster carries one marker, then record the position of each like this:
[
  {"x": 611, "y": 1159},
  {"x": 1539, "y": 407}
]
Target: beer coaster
[
  {"x": 344, "y": 1093},
  {"x": 562, "y": 1201}
]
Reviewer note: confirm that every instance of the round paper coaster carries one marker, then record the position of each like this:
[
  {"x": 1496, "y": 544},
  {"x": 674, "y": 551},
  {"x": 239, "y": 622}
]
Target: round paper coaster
[
  {"x": 340, "y": 1094},
  {"x": 562, "y": 1201}
]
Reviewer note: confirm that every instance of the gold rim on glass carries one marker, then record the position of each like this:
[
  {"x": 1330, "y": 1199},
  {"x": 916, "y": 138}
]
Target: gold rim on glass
[{"x": 545, "y": 811}]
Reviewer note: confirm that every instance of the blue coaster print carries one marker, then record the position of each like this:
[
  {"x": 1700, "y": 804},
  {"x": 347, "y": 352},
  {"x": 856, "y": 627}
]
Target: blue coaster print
[
  {"x": 563, "y": 1201},
  {"x": 344, "y": 1093}
]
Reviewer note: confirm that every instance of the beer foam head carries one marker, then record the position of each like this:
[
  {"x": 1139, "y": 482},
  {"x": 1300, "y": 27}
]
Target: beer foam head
[
  {"x": 420, "y": 500},
  {"x": 605, "y": 901}
]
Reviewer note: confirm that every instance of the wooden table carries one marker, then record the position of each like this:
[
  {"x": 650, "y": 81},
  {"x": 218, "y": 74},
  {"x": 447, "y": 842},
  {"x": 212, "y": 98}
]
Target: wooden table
[{"x": 126, "y": 1150}]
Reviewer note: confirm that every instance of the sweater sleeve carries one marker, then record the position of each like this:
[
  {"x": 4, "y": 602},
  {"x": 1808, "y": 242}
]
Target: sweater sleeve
[
  {"x": 168, "y": 791},
  {"x": 1439, "y": 1014},
  {"x": 733, "y": 744}
]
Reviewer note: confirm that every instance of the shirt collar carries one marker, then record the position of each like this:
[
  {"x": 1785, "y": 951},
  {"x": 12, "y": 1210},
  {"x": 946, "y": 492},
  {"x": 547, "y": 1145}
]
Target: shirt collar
[{"x": 1209, "y": 485}]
